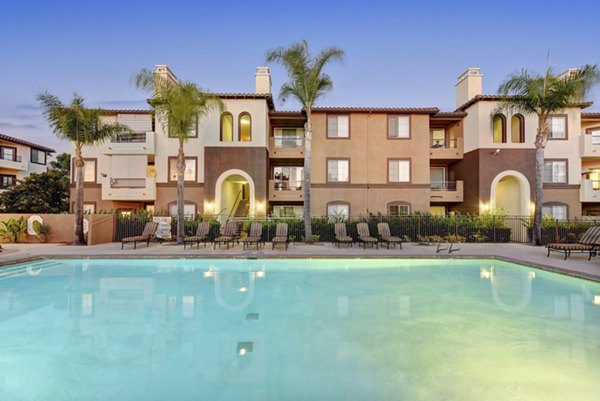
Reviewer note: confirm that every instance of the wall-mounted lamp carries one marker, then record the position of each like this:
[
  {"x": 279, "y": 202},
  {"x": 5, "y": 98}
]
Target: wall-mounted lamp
[{"x": 496, "y": 152}]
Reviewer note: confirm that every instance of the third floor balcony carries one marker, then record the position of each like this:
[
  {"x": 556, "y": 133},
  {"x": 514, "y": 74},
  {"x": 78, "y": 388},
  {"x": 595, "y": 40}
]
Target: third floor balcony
[
  {"x": 287, "y": 143},
  {"x": 446, "y": 149},
  {"x": 136, "y": 143}
]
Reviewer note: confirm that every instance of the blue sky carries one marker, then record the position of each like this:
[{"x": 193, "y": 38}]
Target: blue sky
[{"x": 397, "y": 54}]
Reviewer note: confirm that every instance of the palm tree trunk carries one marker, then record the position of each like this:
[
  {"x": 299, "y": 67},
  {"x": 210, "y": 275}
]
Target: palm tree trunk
[
  {"x": 540, "y": 144},
  {"x": 78, "y": 204},
  {"x": 307, "y": 172},
  {"x": 180, "y": 198}
]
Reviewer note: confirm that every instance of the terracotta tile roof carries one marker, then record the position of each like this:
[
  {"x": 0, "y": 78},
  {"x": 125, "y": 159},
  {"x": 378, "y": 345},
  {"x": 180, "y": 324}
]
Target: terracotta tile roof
[
  {"x": 26, "y": 143},
  {"x": 403, "y": 110},
  {"x": 287, "y": 113},
  {"x": 592, "y": 114},
  {"x": 478, "y": 98},
  {"x": 450, "y": 114},
  {"x": 126, "y": 111}
]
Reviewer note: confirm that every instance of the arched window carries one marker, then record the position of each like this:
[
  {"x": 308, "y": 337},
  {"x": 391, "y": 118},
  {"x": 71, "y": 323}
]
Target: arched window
[
  {"x": 245, "y": 128},
  {"x": 226, "y": 127},
  {"x": 499, "y": 127},
  {"x": 517, "y": 129}
]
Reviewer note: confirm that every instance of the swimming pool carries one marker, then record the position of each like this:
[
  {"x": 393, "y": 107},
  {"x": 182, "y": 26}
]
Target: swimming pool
[{"x": 296, "y": 330}]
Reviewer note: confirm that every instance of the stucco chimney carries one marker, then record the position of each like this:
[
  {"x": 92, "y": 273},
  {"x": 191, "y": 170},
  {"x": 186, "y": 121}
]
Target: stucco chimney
[
  {"x": 164, "y": 71},
  {"x": 263, "y": 80},
  {"x": 468, "y": 86}
]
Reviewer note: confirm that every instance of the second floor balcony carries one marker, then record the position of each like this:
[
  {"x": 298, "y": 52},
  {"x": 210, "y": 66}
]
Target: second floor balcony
[
  {"x": 446, "y": 148},
  {"x": 13, "y": 162},
  {"x": 285, "y": 191},
  {"x": 589, "y": 146},
  {"x": 589, "y": 191},
  {"x": 136, "y": 143},
  {"x": 447, "y": 191},
  {"x": 129, "y": 189},
  {"x": 286, "y": 147}
]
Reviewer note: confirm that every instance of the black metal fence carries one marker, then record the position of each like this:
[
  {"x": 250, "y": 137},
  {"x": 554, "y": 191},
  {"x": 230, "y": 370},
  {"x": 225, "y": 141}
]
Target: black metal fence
[{"x": 413, "y": 228}]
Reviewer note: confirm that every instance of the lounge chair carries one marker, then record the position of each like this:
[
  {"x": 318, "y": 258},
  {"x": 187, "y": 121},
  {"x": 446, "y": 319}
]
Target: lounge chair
[
  {"x": 228, "y": 235},
  {"x": 281, "y": 235},
  {"x": 201, "y": 236},
  {"x": 147, "y": 235},
  {"x": 589, "y": 243},
  {"x": 386, "y": 236},
  {"x": 340, "y": 235},
  {"x": 255, "y": 236},
  {"x": 365, "y": 237}
]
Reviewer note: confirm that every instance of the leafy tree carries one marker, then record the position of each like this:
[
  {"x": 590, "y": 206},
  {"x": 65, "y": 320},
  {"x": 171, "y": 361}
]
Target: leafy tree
[
  {"x": 46, "y": 192},
  {"x": 84, "y": 127},
  {"x": 179, "y": 105},
  {"x": 530, "y": 93},
  {"x": 307, "y": 83}
]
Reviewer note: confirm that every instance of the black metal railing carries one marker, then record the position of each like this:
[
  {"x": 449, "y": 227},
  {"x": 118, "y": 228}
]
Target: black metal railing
[
  {"x": 443, "y": 185},
  {"x": 443, "y": 143},
  {"x": 126, "y": 137},
  {"x": 287, "y": 185},
  {"x": 127, "y": 182},
  {"x": 12, "y": 158},
  {"x": 288, "y": 141}
]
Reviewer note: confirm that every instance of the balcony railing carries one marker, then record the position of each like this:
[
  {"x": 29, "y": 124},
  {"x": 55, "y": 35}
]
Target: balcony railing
[
  {"x": 132, "y": 189},
  {"x": 447, "y": 191},
  {"x": 443, "y": 186},
  {"x": 127, "y": 182},
  {"x": 126, "y": 137},
  {"x": 12, "y": 158},
  {"x": 590, "y": 191},
  {"x": 285, "y": 191},
  {"x": 444, "y": 143},
  {"x": 287, "y": 185},
  {"x": 288, "y": 141}
]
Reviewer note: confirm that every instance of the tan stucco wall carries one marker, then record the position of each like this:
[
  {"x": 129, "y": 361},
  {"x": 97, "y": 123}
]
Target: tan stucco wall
[{"x": 568, "y": 196}]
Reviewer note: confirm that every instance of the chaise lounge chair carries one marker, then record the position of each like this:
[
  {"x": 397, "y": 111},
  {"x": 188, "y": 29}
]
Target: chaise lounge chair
[
  {"x": 340, "y": 235},
  {"x": 281, "y": 235},
  {"x": 386, "y": 236},
  {"x": 590, "y": 243},
  {"x": 365, "y": 237},
  {"x": 147, "y": 235},
  {"x": 228, "y": 235},
  {"x": 201, "y": 236},
  {"x": 255, "y": 236}
]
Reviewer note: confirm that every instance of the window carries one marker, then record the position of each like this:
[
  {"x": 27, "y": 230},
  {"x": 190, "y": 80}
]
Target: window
[
  {"x": 89, "y": 171},
  {"x": 499, "y": 128},
  {"x": 338, "y": 210},
  {"x": 558, "y": 211},
  {"x": 226, "y": 127},
  {"x": 399, "y": 209},
  {"x": 557, "y": 127},
  {"x": 38, "y": 156},
  {"x": 399, "y": 170},
  {"x": 288, "y": 137},
  {"x": 189, "y": 209},
  {"x": 517, "y": 129},
  {"x": 8, "y": 153},
  {"x": 555, "y": 171},
  {"x": 245, "y": 128},
  {"x": 338, "y": 170},
  {"x": 7, "y": 181},
  {"x": 89, "y": 208},
  {"x": 338, "y": 126},
  {"x": 398, "y": 127},
  {"x": 595, "y": 136},
  {"x": 190, "y": 169},
  {"x": 437, "y": 210},
  {"x": 438, "y": 138},
  {"x": 288, "y": 178}
]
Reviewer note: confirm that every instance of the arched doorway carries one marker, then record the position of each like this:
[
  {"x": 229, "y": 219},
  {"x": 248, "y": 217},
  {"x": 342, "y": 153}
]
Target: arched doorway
[
  {"x": 510, "y": 191},
  {"x": 234, "y": 194}
]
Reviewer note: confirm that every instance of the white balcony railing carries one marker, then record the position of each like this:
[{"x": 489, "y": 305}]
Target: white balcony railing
[
  {"x": 129, "y": 189},
  {"x": 589, "y": 191},
  {"x": 137, "y": 143},
  {"x": 589, "y": 146}
]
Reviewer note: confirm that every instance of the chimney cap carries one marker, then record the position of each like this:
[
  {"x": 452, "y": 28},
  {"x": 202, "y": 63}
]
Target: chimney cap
[
  {"x": 163, "y": 68},
  {"x": 263, "y": 71},
  {"x": 469, "y": 72}
]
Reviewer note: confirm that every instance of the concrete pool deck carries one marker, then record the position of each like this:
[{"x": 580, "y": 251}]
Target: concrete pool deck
[{"x": 576, "y": 265}]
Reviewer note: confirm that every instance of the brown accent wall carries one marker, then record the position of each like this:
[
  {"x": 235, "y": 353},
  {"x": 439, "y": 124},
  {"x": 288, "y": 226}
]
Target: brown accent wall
[
  {"x": 253, "y": 160},
  {"x": 567, "y": 195}
]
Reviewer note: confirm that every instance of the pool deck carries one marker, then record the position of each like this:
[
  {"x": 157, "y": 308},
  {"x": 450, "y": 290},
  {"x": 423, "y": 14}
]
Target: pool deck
[{"x": 576, "y": 265}]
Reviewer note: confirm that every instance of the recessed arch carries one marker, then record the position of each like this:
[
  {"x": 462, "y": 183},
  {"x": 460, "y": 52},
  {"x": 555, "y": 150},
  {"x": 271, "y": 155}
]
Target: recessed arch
[
  {"x": 517, "y": 128},
  {"x": 219, "y": 190},
  {"x": 226, "y": 127},
  {"x": 518, "y": 201},
  {"x": 499, "y": 128},
  {"x": 245, "y": 127}
]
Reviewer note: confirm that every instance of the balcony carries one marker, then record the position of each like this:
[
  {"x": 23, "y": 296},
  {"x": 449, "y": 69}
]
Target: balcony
[
  {"x": 13, "y": 162},
  {"x": 285, "y": 191},
  {"x": 286, "y": 147},
  {"x": 589, "y": 191},
  {"x": 589, "y": 146},
  {"x": 446, "y": 149},
  {"x": 129, "y": 189},
  {"x": 137, "y": 143},
  {"x": 449, "y": 191}
]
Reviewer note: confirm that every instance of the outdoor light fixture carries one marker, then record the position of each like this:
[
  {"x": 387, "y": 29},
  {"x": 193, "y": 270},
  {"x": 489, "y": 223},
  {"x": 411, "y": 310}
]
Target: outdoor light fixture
[{"x": 496, "y": 152}]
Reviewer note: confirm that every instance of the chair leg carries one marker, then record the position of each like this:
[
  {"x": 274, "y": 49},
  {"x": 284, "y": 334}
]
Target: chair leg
[
  {"x": 548, "y": 255},
  {"x": 122, "y": 243}
]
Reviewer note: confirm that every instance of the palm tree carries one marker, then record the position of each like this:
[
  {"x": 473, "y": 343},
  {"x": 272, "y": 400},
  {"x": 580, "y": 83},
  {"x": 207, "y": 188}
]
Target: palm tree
[
  {"x": 307, "y": 83},
  {"x": 541, "y": 95},
  {"x": 179, "y": 106},
  {"x": 84, "y": 127}
]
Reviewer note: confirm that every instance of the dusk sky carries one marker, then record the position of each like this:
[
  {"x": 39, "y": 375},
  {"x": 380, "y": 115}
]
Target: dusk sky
[{"x": 397, "y": 54}]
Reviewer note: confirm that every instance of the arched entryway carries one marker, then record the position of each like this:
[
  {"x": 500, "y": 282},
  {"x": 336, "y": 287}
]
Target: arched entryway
[
  {"x": 510, "y": 191},
  {"x": 234, "y": 194}
]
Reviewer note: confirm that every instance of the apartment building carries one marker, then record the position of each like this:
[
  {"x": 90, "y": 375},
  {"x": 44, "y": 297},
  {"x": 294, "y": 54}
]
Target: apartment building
[
  {"x": 248, "y": 160},
  {"x": 19, "y": 158}
]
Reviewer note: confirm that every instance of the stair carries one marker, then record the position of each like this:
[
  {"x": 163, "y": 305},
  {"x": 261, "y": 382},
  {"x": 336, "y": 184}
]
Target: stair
[{"x": 242, "y": 208}]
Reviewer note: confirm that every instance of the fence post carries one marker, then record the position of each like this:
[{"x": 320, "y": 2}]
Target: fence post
[{"x": 494, "y": 227}]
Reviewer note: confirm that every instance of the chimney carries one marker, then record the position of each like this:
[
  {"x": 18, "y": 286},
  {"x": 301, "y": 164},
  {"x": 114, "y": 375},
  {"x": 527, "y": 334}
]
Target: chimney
[
  {"x": 570, "y": 73},
  {"x": 165, "y": 72},
  {"x": 263, "y": 80},
  {"x": 468, "y": 86}
]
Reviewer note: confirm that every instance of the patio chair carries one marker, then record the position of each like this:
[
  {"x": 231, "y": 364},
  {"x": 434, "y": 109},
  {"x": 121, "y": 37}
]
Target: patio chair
[
  {"x": 255, "y": 236},
  {"x": 386, "y": 236},
  {"x": 340, "y": 235},
  {"x": 228, "y": 235},
  {"x": 365, "y": 237},
  {"x": 281, "y": 235},
  {"x": 147, "y": 235},
  {"x": 201, "y": 236},
  {"x": 589, "y": 243}
]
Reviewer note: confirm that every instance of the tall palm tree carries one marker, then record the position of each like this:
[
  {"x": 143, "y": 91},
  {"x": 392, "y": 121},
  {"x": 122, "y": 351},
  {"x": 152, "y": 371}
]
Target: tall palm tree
[
  {"x": 541, "y": 95},
  {"x": 179, "y": 106},
  {"x": 82, "y": 126},
  {"x": 307, "y": 83}
]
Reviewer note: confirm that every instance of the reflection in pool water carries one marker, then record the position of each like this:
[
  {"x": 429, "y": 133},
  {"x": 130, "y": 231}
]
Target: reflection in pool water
[{"x": 296, "y": 330}]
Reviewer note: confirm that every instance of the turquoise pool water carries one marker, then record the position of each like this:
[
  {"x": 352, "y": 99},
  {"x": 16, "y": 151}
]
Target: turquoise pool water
[{"x": 410, "y": 330}]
